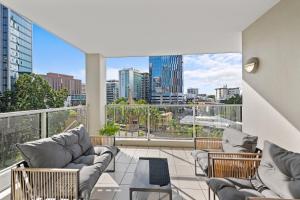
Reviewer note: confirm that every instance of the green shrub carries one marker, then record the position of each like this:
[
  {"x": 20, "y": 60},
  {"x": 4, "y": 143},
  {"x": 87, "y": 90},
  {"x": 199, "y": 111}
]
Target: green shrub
[{"x": 110, "y": 129}]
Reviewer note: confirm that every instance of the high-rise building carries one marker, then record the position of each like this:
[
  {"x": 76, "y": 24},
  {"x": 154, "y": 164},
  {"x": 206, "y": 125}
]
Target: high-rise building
[
  {"x": 15, "y": 47},
  {"x": 166, "y": 79},
  {"x": 192, "y": 93},
  {"x": 130, "y": 81},
  {"x": 61, "y": 81},
  {"x": 145, "y": 86},
  {"x": 225, "y": 93},
  {"x": 83, "y": 88},
  {"x": 112, "y": 91}
]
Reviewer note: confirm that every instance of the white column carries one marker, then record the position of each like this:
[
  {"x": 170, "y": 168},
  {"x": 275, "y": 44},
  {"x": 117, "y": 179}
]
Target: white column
[{"x": 95, "y": 91}]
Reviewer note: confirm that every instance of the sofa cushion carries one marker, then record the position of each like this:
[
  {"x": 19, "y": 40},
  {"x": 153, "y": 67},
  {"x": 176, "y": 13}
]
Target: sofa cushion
[
  {"x": 279, "y": 170},
  {"x": 88, "y": 177},
  {"x": 237, "y": 141},
  {"x": 75, "y": 166},
  {"x": 45, "y": 153},
  {"x": 70, "y": 141},
  {"x": 84, "y": 139},
  {"x": 99, "y": 150}
]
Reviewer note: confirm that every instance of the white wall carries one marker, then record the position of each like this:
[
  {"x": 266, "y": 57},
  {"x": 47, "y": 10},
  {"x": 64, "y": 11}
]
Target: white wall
[{"x": 272, "y": 94}]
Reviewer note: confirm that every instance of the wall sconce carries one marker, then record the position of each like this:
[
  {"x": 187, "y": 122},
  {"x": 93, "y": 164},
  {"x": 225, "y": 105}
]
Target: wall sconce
[{"x": 251, "y": 65}]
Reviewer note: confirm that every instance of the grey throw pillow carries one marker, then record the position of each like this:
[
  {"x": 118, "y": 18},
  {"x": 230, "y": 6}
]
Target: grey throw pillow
[
  {"x": 84, "y": 139},
  {"x": 70, "y": 141},
  {"x": 279, "y": 170},
  {"x": 237, "y": 141},
  {"x": 45, "y": 153}
]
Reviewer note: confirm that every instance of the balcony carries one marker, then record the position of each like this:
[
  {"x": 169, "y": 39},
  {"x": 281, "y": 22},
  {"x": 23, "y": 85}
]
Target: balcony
[
  {"x": 158, "y": 130},
  {"x": 173, "y": 122},
  {"x": 265, "y": 30}
]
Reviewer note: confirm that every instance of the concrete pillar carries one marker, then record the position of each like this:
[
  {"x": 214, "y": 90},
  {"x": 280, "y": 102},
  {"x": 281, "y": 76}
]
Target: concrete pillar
[{"x": 95, "y": 92}]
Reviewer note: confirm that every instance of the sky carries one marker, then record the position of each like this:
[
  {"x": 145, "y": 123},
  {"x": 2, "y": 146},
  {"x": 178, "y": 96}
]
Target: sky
[{"x": 205, "y": 71}]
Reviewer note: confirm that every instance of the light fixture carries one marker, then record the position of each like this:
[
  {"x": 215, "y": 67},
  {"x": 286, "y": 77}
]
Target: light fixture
[{"x": 251, "y": 65}]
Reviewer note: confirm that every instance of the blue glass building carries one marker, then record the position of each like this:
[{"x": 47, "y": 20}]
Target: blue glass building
[
  {"x": 166, "y": 79},
  {"x": 15, "y": 47}
]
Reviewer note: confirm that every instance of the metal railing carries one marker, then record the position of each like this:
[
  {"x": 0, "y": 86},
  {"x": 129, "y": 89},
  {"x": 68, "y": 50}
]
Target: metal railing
[
  {"x": 24, "y": 126},
  {"x": 174, "y": 121}
]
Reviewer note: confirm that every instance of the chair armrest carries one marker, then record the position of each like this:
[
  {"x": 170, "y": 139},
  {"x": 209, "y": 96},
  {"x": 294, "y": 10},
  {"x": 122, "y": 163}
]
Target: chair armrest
[
  {"x": 233, "y": 155},
  {"x": 239, "y": 167},
  {"x": 44, "y": 183},
  {"x": 203, "y": 143},
  {"x": 103, "y": 140}
]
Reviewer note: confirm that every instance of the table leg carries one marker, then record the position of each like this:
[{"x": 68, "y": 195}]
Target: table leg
[
  {"x": 130, "y": 194},
  {"x": 170, "y": 195}
]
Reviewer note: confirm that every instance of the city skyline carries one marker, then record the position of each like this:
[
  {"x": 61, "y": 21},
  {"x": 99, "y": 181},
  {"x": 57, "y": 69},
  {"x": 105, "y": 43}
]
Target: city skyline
[{"x": 205, "y": 71}]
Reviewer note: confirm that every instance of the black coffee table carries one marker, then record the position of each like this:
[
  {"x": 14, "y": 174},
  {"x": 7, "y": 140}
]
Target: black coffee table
[{"x": 151, "y": 175}]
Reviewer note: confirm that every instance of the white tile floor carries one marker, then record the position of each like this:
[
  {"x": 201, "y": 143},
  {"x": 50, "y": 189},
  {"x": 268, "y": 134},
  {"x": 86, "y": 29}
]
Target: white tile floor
[{"x": 186, "y": 186}]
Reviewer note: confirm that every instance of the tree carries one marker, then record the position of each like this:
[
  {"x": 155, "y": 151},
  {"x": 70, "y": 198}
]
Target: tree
[
  {"x": 32, "y": 92},
  {"x": 8, "y": 101},
  {"x": 141, "y": 102},
  {"x": 121, "y": 100},
  {"x": 211, "y": 96},
  {"x": 236, "y": 99}
]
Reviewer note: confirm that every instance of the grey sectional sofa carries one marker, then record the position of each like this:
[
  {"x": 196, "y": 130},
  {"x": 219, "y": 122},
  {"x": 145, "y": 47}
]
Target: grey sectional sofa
[
  {"x": 277, "y": 177},
  {"x": 233, "y": 144},
  {"x": 66, "y": 165}
]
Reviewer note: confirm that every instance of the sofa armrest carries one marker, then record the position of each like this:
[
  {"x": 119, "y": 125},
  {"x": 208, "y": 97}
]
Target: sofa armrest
[
  {"x": 238, "y": 167},
  {"x": 103, "y": 140},
  {"x": 203, "y": 143},
  {"x": 44, "y": 183}
]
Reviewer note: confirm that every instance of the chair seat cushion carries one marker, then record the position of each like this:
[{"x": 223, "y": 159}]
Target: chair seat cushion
[
  {"x": 202, "y": 159},
  {"x": 227, "y": 190},
  {"x": 235, "y": 188}
]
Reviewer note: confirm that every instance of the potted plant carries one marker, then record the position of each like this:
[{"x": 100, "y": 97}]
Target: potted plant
[{"x": 108, "y": 133}]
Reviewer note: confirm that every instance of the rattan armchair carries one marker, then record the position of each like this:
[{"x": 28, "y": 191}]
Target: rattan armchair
[
  {"x": 50, "y": 183},
  {"x": 224, "y": 167},
  {"x": 237, "y": 167}
]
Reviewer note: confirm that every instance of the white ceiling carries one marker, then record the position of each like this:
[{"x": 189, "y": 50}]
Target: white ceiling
[{"x": 145, "y": 27}]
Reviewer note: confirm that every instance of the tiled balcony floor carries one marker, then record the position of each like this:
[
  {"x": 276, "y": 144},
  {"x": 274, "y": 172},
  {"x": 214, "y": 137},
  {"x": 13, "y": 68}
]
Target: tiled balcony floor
[{"x": 186, "y": 186}]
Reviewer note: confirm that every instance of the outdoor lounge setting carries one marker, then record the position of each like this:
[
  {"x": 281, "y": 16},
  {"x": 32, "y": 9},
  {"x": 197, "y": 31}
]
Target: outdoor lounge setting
[{"x": 167, "y": 145}]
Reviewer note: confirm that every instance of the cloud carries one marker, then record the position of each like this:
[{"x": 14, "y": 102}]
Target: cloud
[
  {"x": 210, "y": 71},
  {"x": 112, "y": 74}
]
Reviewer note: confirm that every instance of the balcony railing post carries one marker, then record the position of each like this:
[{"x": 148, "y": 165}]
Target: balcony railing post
[
  {"x": 148, "y": 124},
  {"x": 43, "y": 124},
  {"x": 194, "y": 121}
]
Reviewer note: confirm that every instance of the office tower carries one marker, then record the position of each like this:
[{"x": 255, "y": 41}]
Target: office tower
[
  {"x": 15, "y": 47},
  {"x": 145, "y": 86},
  {"x": 60, "y": 81},
  {"x": 166, "y": 79},
  {"x": 112, "y": 91},
  {"x": 130, "y": 81}
]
